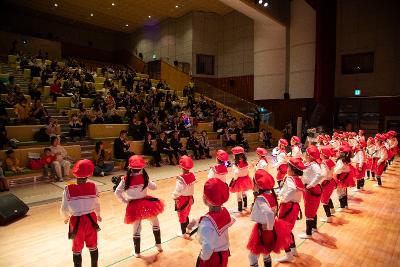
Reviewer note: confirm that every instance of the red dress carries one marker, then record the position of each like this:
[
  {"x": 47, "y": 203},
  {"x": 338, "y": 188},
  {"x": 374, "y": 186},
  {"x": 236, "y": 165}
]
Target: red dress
[
  {"x": 183, "y": 204},
  {"x": 143, "y": 208},
  {"x": 346, "y": 179},
  {"x": 265, "y": 241},
  {"x": 328, "y": 186},
  {"x": 242, "y": 183},
  {"x": 289, "y": 211}
]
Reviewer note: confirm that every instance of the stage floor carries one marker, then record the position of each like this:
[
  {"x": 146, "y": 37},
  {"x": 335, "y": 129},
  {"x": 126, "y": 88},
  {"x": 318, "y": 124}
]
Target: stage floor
[{"x": 367, "y": 235}]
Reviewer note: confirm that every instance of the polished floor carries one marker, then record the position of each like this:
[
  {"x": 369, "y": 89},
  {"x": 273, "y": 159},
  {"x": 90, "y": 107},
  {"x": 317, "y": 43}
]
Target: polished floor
[{"x": 367, "y": 235}]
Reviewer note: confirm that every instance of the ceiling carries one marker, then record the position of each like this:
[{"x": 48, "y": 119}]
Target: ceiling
[{"x": 134, "y": 13}]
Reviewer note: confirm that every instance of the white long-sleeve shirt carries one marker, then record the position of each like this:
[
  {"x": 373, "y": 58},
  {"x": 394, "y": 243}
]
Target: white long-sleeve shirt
[
  {"x": 296, "y": 152},
  {"x": 263, "y": 213},
  {"x": 289, "y": 191},
  {"x": 239, "y": 172},
  {"x": 371, "y": 151},
  {"x": 212, "y": 173},
  {"x": 393, "y": 143},
  {"x": 209, "y": 238},
  {"x": 328, "y": 173},
  {"x": 340, "y": 167},
  {"x": 312, "y": 175},
  {"x": 382, "y": 154},
  {"x": 59, "y": 151},
  {"x": 280, "y": 156},
  {"x": 182, "y": 189},
  {"x": 133, "y": 192},
  {"x": 359, "y": 158},
  {"x": 80, "y": 204},
  {"x": 262, "y": 164}
]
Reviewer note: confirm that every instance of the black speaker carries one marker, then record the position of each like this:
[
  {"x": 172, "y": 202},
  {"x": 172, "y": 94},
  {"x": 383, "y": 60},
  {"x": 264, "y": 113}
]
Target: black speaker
[
  {"x": 231, "y": 83},
  {"x": 11, "y": 208}
]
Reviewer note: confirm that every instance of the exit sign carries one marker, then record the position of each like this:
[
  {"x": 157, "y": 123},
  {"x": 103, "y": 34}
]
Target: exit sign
[{"x": 357, "y": 92}]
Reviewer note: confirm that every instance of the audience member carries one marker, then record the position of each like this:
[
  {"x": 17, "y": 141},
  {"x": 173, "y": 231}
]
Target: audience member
[
  {"x": 12, "y": 163},
  {"x": 102, "y": 160},
  {"x": 121, "y": 148},
  {"x": 61, "y": 164}
]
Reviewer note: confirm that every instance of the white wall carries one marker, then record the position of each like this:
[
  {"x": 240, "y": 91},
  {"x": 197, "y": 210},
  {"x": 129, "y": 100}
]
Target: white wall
[
  {"x": 269, "y": 60},
  {"x": 302, "y": 49},
  {"x": 369, "y": 26}
]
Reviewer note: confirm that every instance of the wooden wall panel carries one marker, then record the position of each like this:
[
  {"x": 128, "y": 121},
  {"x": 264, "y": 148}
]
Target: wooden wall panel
[
  {"x": 85, "y": 52},
  {"x": 126, "y": 57},
  {"x": 175, "y": 78}
]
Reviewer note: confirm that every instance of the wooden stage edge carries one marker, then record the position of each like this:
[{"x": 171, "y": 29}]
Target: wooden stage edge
[{"x": 366, "y": 235}]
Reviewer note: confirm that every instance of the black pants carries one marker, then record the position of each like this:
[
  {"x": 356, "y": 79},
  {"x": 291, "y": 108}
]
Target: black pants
[{"x": 156, "y": 156}]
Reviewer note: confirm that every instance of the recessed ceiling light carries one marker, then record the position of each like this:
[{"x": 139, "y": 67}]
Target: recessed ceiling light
[
  {"x": 91, "y": 14},
  {"x": 149, "y": 17},
  {"x": 176, "y": 6},
  {"x": 113, "y": 4},
  {"x": 55, "y": 4},
  {"x": 260, "y": 2},
  {"x": 265, "y": 4},
  {"x": 126, "y": 25}
]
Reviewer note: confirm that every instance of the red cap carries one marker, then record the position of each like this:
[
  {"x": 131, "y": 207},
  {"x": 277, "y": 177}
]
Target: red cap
[
  {"x": 264, "y": 180},
  {"x": 371, "y": 140},
  {"x": 361, "y": 131},
  {"x": 380, "y": 137},
  {"x": 283, "y": 141},
  {"x": 327, "y": 151},
  {"x": 327, "y": 137},
  {"x": 313, "y": 152},
  {"x": 186, "y": 162},
  {"x": 295, "y": 139},
  {"x": 222, "y": 155},
  {"x": 297, "y": 163},
  {"x": 216, "y": 192},
  {"x": 261, "y": 151},
  {"x": 392, "y": 133},
  {"x": 320, "y": 138},
  {"x": 345, "y": 148},
  {"x": 362, "y": 143},
  {"x": 237, "y": 150},
  {"x": 136, "y": 162},
  {"x": 83, "y": 168}
]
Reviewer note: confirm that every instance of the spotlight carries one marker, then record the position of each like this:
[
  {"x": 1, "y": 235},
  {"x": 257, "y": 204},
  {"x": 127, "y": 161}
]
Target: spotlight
[
  {"x": 55, "y": 4},
  {"x": 176, "y": 6},
  {"x": 265, "y": 4},
  {"x": 91, "y": 14},
  {"x": 149, "y": 17},
  {"x": 113, "y": 4},
  {"x": 126, "y": 25},
  {"x": 260, "y": 2}
]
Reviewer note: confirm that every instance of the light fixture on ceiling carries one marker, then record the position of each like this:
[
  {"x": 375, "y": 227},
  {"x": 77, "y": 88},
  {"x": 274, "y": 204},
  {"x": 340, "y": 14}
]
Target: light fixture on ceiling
[
  {"x": 55, "y": 4},
  {"x": 149, "y": 17},
  {"x": 113, "y": 4},
  {"x": 126, "y": 25},
  {"x": 176, "y": 6},
  {"x": 265, "y": 4},
  {"x": 260, "y": 2},
  {"x": 91, "y": 14}
]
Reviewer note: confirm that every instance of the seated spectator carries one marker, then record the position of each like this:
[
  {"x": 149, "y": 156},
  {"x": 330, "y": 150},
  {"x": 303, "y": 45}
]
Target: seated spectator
[
  {"x": 194, "y": 145},
  {"x": 101, "y": 158},
  {"x": 148, "y": 150},
  {"x": 9, "y": 100},
  {"x": 11, "y": 86},
  {"x": 121, "y": 148},
  {"x": 75, "y": 99},
  {"x": 205, "y": 144},
  {"x": 177, "y": 146},
  {"x": 265, "y": 138},
  {"x": 228, "y": 138},
  {"x": 12, "y": 163},
  {"x": 61, "y": 164},
  {"x": 164, "y": 147},
  {"x": 76, "y": 127},
  {"x": 33, "y": 89},
  {"x": 23, "y": 112},
  {"x": 47, "y": 161},
  {"x": 55, "y": 90},
  {"x": 3, "y": 180},
  {"x": 135, "y": 130},
  {"x": 241, "y": 140},
  {"x": 53, "y": 129},
  {"x": 40, "y": 112}
]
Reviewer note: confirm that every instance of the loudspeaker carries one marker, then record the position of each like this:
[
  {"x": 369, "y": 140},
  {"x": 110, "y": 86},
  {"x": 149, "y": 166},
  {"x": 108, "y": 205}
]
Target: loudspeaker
[
  {"x": 11, "y": 208},
  {"x": 231, "y": 83}
]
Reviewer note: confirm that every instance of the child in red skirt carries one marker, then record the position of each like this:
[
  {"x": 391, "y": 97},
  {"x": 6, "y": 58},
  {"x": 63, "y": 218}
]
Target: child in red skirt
[
  {"x": 280, "y": 154},
  {"x": 370, "y": 154},
  {"x": 344, "y": 173},
  {"x": 312, "y": 177},
  {"x": 328, "y": 184},
  {"x": 241, "y": 181},
  {"x": 269, "y": 233},
  {"x": 213, "y": 227},
  {"x": 183, "y": 194},
  {"x": 81, "y": 208},
  {"x": 296, "y": 150},
  {"x": 132, "y": 190},
  {"x": 361, "y": 163},
  {"x": 382, "y": 156},
  {"x": 291, "y": 193},
  {"x": 220, "y": 170},
  {"x": 262, "y": 158}
]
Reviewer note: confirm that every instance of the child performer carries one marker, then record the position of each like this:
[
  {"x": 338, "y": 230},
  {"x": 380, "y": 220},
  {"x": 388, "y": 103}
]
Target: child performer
[
  {"x": 241, "y": 181},
  {"x": 312, "y": 176},
  {"x": 382, "y": 156},
  {"x": 183, "y": 194},
  {"x": 328, "y": 184},
  {"x": 268, "y": 234},
  {"x": 280, "y": 153},
  {"x": 220, "y": 170},
  {"x": 262, "y": 158},
  {"x": 344, "y": 174},
  {"x": 296, "y": 150},
  {"x": 370, "y": 154},
  {"x": 213, "y": 227},
  {"x": 393, "y": 146},
  {"x": 80, "y": 206},
  {"x": 361, "y": 164},
  {"x": 292, "y": 190},
  {"x": 132, "y": 190}
]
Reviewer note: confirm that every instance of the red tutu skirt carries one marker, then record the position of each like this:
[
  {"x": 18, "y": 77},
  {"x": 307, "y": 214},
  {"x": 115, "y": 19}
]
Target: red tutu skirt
[
  {"x": 346, "y": 179},
  {"x": 269, "y": 243},
  {"x": 217, "y": 259},
  {"x": 183, "y": 205},
  {"x": 289, "y": 212},
  {"x": 144, "y": 208},
  {"x": 241, "y": 184},
  {"x": 327, "y": 189},
  {"x": 380, "y": 168},
  {"x": 312, "y": 198},
  {"x": 282, "y": 170},
  {"x": 361, "y": 174},
  {"x": 392, "y": 152},
  {"x": 370, "y": 164}
]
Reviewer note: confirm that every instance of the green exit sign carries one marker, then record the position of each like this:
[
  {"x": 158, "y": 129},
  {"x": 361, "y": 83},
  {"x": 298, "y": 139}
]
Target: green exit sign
[{"x": 357, "y": 92}]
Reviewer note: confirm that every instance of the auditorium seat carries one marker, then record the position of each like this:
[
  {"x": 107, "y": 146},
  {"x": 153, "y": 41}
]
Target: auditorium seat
[
  {"x": 63, "y": 102},
  {"x": 99, "y": 131},
  {"x": 99, "y": 80},
  {"x": 27, "y": 73},
  {"x": 87, "y": 102},
  {"x": 22, "y": 133},
  {"x": 207, "y": 126}
]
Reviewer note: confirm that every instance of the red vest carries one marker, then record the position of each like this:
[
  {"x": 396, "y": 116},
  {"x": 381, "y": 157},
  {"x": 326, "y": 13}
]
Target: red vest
[
  {"x": 270, "y": 199},
  {"x": 221, "y": 220},
  {"x": 81, "y": 191},
  {"x": 242, "y": 164},
  {"x": 188, "y": 178},
  {"x": 329, "y": 163},
  {"x": 220, "y": 169},
  {"x": 135, "y": 180}
]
